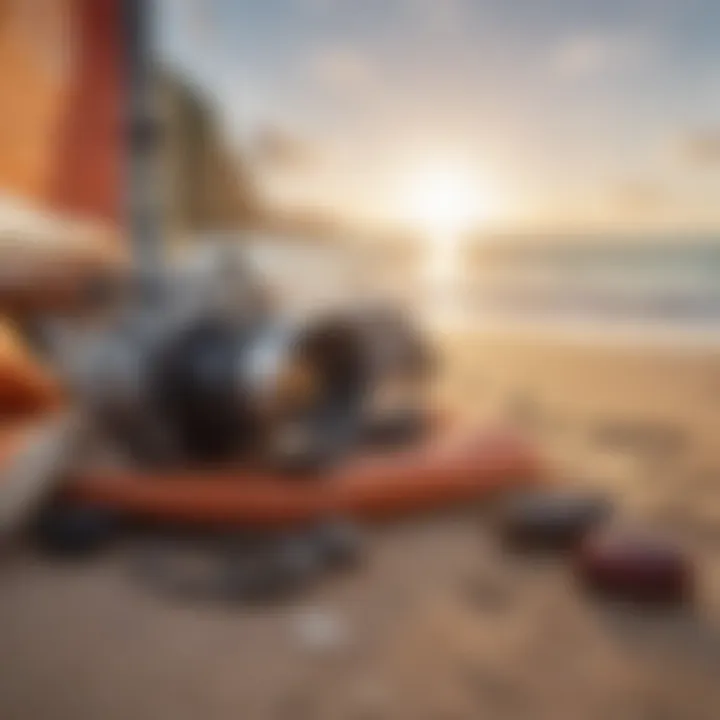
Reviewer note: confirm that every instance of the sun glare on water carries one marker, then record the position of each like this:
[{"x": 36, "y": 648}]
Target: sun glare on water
[{"x": 444, "y": 203}]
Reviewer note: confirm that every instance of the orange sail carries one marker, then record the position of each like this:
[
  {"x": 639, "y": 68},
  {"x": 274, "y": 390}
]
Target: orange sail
[
  {"x": 61, "y": 165},
  {"x": 60, "y": 149},
  {"x": 60, "y": 175}
]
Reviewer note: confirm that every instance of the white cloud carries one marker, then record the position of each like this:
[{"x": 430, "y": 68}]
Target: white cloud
[
  {"x": 701, "y": 147},
  {"x": 443, "y": 15},
  {"x": 342, "y": 70},
  {"x": 590, "y": 54}
]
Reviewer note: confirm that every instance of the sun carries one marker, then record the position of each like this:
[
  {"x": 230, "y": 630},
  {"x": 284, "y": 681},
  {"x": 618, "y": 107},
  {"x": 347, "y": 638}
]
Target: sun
[{"x": 445, "y": 200}]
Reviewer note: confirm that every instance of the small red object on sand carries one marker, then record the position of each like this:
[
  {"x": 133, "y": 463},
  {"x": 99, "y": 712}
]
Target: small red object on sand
[{"x": 638, "y": 567}]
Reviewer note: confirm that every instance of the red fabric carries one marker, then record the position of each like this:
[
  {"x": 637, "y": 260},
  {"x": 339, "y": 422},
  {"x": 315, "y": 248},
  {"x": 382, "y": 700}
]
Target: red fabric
[{"x": 87, "y": 176}]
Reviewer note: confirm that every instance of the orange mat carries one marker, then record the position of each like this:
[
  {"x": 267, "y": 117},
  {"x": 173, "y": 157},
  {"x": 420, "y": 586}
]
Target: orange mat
[{"x": 441, "y": 472}]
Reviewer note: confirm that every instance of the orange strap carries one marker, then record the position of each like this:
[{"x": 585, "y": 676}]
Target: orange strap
[{"x": 26, "y": 388}]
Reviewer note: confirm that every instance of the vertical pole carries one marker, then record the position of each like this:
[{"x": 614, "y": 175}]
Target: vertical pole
[{"x": 142, "y": 143}]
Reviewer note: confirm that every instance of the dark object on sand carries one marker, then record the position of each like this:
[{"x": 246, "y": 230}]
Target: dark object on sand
[
  {"x": 287, "y": 565},
  {"x": 262, "y": 569},
  {"x": 635, "y": 567},
  {"x": 70, "y": 530},
  {"x": 255, "y": 568},
  {"x": 541, "y": 520},
  {"x": 339, "y": 544},
  {"x": 396, "y": 429}
]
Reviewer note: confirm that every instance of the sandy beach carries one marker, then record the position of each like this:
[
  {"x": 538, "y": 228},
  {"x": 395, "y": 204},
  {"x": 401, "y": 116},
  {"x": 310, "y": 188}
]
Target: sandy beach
[
  {"x": 638, "y": 419},
  {"x": 441, "y": 623}
]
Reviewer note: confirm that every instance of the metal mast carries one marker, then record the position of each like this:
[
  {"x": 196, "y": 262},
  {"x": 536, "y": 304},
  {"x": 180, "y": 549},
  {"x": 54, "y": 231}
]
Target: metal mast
[{"x": 143, "y": 138}]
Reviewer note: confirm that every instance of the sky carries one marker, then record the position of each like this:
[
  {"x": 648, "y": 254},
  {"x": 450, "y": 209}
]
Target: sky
[{"x": 561, "y": 113}]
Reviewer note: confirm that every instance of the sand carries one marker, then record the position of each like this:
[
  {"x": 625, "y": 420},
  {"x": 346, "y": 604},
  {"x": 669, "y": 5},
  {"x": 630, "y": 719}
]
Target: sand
[
  {"x": 442, "y": 623},
  {"x": 639, "y": 420}
]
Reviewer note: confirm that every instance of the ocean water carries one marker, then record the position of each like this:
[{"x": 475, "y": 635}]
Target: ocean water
[
  {"x": 669, "y": 282},
  {"x": 632, "y": 289},
  {"x": 661, "y": 286}
]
